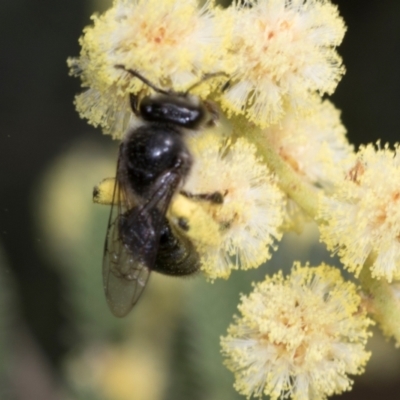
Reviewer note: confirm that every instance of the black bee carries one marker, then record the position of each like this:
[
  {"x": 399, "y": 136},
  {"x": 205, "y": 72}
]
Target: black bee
[{"x": 152, "y": 166}]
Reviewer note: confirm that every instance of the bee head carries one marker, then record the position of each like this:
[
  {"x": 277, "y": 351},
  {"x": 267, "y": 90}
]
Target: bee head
[{"x": 176, "y": 108}]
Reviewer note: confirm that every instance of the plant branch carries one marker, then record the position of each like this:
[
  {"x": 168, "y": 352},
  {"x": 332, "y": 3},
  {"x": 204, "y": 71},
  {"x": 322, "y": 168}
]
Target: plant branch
[{"x": 384, "y": 306}]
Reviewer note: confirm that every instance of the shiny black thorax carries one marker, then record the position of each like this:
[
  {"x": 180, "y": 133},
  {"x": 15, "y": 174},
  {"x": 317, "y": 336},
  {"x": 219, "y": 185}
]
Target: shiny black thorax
[
  {"x": 149, "y": 152},
  {"x": 158, "y": 145}
]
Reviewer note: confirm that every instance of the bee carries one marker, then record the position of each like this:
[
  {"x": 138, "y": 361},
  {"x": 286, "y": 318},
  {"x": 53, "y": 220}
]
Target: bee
[{"x": 152, "y": 166}]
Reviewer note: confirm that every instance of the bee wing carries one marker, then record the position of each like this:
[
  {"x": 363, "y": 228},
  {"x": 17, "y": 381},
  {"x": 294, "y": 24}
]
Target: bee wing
[
  {"x": 128, "y": 260},
  {"x": 124, "y": 278}
]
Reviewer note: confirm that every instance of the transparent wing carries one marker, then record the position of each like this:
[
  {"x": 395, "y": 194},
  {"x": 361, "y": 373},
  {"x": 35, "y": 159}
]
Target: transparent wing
[
  {"x": 132, "y": 241},
  {"x": 124, "y": 275}
]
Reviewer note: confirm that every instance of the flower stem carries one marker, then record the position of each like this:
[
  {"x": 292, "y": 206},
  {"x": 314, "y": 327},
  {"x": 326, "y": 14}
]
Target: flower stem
[
  {"x": 305, "y": 195},
  {"x": 384, "y": 305}
]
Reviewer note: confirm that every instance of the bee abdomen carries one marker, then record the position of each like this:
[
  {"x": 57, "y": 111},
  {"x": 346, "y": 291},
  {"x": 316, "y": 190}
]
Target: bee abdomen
[{"x": 176, "y": 253}]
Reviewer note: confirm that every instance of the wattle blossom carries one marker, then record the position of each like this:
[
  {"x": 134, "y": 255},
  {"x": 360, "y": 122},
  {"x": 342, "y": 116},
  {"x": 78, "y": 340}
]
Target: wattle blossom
[
  {"x": 172, "y": 44},
  {"x": 298, "y": 337},
  {"x": 362, "y": 217},
  {"x": 244, "y": 228},
  {"x": 280, "y": 54}
]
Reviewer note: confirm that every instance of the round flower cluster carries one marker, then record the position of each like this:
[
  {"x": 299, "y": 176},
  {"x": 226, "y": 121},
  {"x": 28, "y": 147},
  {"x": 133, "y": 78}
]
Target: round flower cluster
[
  {"x": 362, "y": 217},
  {"x": 170, "y": 43},
  {"x": 240, "y": 231},
  {"x": 298, "y": 336},
  {"x": 316, "y": 148},
  {"x": 280, "y": 54}
]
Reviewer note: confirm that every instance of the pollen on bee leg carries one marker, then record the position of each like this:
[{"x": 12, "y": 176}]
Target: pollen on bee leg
[
  {"x": 198, "y": 225},
  {"x": 104, "y": 191}
]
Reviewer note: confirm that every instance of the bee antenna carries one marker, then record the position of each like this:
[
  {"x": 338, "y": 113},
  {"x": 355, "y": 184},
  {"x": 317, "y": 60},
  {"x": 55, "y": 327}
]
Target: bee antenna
[
  {"x": 206, "y": 77},
  {"x": 142, "y": 78}
]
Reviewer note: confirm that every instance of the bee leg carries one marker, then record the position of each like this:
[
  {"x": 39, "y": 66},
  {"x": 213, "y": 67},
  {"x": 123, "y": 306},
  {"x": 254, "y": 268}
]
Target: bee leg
[
  {"x": 215, "y": 197},
  {"x": 103, "y": 192}
]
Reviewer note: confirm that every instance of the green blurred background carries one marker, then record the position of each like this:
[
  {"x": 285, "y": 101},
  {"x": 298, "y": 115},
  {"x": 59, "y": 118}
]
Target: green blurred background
[{"x": 57, "y": 337}]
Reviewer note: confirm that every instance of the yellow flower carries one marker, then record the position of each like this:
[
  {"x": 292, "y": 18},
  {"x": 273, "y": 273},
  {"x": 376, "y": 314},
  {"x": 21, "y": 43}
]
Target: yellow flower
[
  {"x": 281, "y": 52},
  {"x": 171, "y": 43},
  {"x": 298, "y": 337},
  {"x": 241, "y": 231},
  {"x": 362, "y": 217},
  {"x": 315, "y": 146}
]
